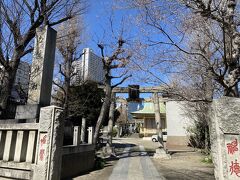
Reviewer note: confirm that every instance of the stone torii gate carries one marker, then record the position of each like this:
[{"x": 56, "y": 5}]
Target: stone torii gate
[
  {"x": 155, "y": 90},
  {"x": 160, "y": 152}
]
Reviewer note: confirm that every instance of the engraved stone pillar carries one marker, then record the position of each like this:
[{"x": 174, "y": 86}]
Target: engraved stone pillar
[
  {"x": 50, "y": 141},
  {"x": 42, "y": 67},
  {"x": 225, "y": 137}
]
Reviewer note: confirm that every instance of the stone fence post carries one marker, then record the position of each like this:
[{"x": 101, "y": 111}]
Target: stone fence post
[
  {"x": 76, "y": 136},
  {"x": 225, "y": 137},
  {"x": 90, "y": 135},
  {"x": 49, "y": 144}
]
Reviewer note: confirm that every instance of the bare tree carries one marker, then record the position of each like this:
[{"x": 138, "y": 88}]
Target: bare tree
[
  {"x": 194, "y": 80},
  {"x": 220, "y": 19},
  {"x": 19, "y": 20},
  {"x": 70, "y": 35},
  {"x": 225, "y": 15},
  {"x": 118, "y": 59},
  {"x": 70, "y": 38},
  {"x": 190, "y": 50}
]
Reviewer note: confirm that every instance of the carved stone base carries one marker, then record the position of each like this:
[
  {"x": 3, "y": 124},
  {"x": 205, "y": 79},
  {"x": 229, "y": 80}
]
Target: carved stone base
[
  {"x": 108, "y": 151},
  {"x": 161, "y": 154}
]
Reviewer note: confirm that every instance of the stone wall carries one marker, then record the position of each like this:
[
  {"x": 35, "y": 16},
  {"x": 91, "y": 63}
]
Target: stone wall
[
  {"x": 77, "y": 159},
  {"x": 177, "y": 122}
]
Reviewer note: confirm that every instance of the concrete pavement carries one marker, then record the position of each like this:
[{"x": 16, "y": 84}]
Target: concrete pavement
[{"x": 135, "y": 165}]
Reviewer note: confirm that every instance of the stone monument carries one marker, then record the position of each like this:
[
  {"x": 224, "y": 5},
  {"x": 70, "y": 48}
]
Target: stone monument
[
  {"x": 40, "y": 86},
  {"x": 225, "y": 138}
]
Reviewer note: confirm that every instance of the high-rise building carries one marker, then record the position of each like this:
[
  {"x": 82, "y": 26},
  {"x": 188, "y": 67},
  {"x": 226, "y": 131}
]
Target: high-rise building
[
  {"x": 90, "y": 68},
  {"x": 22, "y": 76},
  {"x": 20, "y": 86}
]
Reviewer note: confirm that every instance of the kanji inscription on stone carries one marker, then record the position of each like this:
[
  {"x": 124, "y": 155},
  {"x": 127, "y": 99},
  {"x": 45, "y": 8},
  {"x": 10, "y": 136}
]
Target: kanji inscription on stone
[
  {"x": 37, "y": 68},
  {"x": 233, "y": 156},
  {"x": 42, "y": 147},
  {"x": 40, "y": 85}
]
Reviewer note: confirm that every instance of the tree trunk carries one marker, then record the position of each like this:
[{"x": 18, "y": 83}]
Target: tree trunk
[
  {"x": 232, "y": 43},
  {"x": 5, "y": 90},
  {"x": 103, "y": 112},
  {"x": 67, "y": 78},
  {"x": 6, "y": 84},
  {"x": 83, "y": 129},
  {"x": 158, "y": 118},
  {"x": 111, "y": 120}
]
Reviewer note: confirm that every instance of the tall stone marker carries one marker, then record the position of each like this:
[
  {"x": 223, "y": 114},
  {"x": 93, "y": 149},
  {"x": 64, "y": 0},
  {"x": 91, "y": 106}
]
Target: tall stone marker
[
  {"x": 42, "y": 67},
  {"x": 40, "y": 86},
  {"x": 225, "y": 138}
]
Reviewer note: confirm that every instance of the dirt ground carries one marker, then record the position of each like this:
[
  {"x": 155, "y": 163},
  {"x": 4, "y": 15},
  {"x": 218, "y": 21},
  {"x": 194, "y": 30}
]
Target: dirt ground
[{"x": 185, "y": 166}]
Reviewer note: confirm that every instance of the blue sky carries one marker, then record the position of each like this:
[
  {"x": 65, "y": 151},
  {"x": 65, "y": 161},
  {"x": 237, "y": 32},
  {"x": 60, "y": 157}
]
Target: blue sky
[
  {"x": 98, "y": 26},
  {"x": 96, "y": 20},
  {"x": 98, "y": 30}
]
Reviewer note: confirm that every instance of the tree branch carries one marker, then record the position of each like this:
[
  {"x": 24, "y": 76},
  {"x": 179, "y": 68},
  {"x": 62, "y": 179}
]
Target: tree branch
[
  {"x": 27, "y": 51},
  {"x": 58, "y": 85},
  {"x": 122, "y": 81},
  {"x": 116, "y": 77}
]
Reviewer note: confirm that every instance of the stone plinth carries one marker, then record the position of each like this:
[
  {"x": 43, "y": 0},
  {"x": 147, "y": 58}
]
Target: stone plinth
[{"x": 225, "y": 136}]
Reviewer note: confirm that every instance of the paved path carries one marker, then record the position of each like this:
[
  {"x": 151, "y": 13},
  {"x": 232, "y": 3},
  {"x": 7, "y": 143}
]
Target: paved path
[{"x": 135, "y": 165}]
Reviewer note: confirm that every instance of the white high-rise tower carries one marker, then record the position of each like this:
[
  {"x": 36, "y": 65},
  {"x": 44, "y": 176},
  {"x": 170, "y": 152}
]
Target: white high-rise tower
[{"x": 90, "y": 68}]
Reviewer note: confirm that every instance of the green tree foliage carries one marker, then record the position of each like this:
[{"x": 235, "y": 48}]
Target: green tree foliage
[{"x": 85, "y": 101}]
